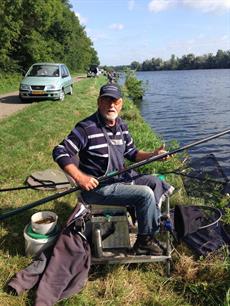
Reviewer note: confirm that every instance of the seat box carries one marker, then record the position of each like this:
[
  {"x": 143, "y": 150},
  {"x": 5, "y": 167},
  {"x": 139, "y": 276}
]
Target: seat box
[{"x": 112, "y": 224}]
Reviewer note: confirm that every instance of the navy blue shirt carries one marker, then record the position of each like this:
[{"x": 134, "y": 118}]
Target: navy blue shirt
[{"x": 87, "y": 140}]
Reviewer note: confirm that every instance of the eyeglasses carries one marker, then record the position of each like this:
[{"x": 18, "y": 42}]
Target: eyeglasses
[{"x": 111, "y": 100}]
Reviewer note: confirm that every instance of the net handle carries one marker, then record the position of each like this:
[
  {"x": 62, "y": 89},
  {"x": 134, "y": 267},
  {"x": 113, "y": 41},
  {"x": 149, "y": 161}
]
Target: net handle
[{"x": 216, "y": 210}]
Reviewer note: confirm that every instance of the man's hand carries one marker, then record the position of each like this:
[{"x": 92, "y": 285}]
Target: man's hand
[
  {"x": 161, "y": 150},
  {"x": 83, "y": 180},
  {"x": 87, "y": 182}
]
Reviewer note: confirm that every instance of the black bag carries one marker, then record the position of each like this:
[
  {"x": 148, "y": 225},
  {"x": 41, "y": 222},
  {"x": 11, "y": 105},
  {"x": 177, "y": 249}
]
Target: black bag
[
  {"x": 187, "y": 220},
  {"x": 208, "y": 239},
  {"x": 189, "y": 224}
]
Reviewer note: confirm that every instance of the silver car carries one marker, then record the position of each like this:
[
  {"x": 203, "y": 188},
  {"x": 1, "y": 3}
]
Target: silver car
[{"x": 46, "y": 81}]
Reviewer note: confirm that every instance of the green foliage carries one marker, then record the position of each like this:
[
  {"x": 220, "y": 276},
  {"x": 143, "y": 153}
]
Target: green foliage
[
  {"x": 224, "y": 205},
  {"x": 189, "y": 61},
  {"x": 9, "y": 82},
  {"x": 33, "y": 31},
  {"x": 134, "y": 86}
]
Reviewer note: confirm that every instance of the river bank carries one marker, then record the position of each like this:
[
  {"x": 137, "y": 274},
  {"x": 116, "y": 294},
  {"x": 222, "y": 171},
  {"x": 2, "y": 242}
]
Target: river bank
[{"x": 27, "y": 140}]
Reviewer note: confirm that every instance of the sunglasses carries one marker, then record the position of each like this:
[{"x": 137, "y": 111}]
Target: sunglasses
[{"x": 111, "y": 100}]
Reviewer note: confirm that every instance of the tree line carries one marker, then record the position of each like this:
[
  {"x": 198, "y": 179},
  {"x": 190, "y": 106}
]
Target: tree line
[
  {"x": 42, "y": 31},
  {"x": 189, "y": 61}
]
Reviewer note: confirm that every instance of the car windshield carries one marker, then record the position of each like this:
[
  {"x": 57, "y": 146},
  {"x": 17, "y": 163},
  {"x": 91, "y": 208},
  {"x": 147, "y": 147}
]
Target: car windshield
[{"x": 44, "y": 70}]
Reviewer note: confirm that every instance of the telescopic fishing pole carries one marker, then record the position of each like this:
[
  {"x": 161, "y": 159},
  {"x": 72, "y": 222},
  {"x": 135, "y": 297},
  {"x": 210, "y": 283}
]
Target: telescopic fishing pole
[
  {"x": 34, "y": 187},
  {"x": 112, "y": 174}
]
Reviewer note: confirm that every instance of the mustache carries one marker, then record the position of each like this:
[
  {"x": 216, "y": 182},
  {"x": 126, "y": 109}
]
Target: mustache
[{"x": 111, "y": 116}]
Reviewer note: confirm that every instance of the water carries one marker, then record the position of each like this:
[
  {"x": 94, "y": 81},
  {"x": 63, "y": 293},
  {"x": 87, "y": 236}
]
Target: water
[{"x": 188, "y": 106}]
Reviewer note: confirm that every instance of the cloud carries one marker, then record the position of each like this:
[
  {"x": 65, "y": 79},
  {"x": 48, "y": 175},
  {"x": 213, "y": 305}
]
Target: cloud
[
  {"x": 225, "y": 37},
  {"x": 131, "y": 4},
  {"x": 205, "y": 6},
  {"x": 96, "y": 35},
  {"x": 196, "y": 44},
  {"x": 160, "y": 5},
  {"x": 208, "y": 5},
  {"x": 82, "y": 19},
  {"x": 116, "y": 26}
]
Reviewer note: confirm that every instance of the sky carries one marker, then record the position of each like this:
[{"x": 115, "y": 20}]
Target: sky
[{"x": 123, "y": 31}]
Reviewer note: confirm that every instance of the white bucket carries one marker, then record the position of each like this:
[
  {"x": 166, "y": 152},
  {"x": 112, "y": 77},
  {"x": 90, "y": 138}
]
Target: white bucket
[
  {"x": 43, "y": 228},
  {"x": 36, "y": 246}
]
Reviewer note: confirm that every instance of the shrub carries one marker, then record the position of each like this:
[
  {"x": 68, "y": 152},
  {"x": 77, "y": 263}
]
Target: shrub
[{"x": 134, "y": 86}]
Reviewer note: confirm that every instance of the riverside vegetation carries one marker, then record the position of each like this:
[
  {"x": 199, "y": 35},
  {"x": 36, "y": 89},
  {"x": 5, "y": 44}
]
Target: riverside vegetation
[{"x": 27, "y": 139}]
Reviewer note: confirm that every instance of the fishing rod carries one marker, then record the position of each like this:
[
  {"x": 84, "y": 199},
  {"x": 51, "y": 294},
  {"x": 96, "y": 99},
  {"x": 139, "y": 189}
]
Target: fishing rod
[
  {"x": 33, "y": 187},
  {"x": 110, "y": 175}
]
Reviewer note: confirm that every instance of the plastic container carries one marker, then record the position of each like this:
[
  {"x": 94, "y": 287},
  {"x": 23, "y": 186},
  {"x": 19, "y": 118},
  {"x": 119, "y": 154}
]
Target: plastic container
[
  {"x": 34, "y": 246},
  {"x": 160, "y": 176},
  {"x": 44, "y": 222}
]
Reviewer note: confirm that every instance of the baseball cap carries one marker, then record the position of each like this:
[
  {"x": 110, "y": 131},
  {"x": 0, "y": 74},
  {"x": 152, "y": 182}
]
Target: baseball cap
[{"x": 110, "y": 90}]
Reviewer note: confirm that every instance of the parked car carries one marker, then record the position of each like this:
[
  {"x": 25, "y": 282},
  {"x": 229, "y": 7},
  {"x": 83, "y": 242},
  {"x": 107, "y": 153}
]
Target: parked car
[
  {"x": 46, "y": 81},
  {"x": 93, "y": 71}
]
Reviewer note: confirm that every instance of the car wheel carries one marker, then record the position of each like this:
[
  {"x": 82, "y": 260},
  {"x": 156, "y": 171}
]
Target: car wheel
[
  {"x": 71, "y": 90},
  {"x": 62, "y": 95}
]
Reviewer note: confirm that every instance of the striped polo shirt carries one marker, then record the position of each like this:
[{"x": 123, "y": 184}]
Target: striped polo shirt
[{"x": 88, "y": 142}]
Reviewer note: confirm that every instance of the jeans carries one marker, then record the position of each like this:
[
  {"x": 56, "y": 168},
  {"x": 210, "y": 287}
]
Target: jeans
[{"x": 140, "y": 196}]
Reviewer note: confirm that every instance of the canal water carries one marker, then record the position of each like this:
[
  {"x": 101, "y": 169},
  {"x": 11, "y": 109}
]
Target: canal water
[{"x": 188, "y": 106}]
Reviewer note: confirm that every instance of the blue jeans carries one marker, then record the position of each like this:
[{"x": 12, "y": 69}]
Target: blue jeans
[{"x": 140, "y": 196}]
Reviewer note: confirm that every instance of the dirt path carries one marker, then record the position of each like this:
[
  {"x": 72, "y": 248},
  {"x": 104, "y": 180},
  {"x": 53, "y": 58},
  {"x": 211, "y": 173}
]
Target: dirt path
[{"x": 10, "y": 102}]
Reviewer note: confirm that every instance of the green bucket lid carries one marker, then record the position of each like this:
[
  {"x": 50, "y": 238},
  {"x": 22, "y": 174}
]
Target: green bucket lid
[
  {"x": 160, "y": 176},
  {"x": 35, "y": 235}
]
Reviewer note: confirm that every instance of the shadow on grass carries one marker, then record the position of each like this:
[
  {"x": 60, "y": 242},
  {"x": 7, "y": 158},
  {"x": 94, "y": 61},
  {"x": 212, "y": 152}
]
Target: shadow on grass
[{"x": 102, "y": 270}]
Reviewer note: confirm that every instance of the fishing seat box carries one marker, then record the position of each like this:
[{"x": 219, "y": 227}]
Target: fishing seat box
[{"x": 110, "y": 228}]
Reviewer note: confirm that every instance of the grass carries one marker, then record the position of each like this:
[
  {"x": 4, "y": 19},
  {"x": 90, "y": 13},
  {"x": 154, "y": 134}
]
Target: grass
[
  {"x": 9, "y": 82},
  {"x": 26, "y": 141}
]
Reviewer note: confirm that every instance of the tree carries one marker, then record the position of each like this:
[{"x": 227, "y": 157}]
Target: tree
[
  {"x": 10, "y": 26},
  {"x": 33, "y": 31},
  {"x": 173, "y": 62},
  {"x": 135, "y": 66},
  {"x": 222, "y": 59}
]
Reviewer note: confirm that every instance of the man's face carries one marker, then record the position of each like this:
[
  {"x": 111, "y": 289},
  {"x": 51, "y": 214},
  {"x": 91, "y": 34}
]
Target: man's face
[{"x": 109, "y": 107}]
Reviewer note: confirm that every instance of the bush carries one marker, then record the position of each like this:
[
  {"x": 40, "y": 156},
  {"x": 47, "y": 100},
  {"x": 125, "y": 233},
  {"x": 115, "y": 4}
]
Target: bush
[
  {"x": 134, "y": 86},
  {"x": 9, "y": 82}
]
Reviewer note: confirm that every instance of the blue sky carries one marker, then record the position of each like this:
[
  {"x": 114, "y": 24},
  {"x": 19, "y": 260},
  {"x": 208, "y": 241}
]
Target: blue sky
[{"x": 124, "y": 31}]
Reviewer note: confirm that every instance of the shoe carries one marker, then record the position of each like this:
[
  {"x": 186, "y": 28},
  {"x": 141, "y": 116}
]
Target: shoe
[
  {"x": 145, "y": 245},
  {"x": 162, "y": 245}
]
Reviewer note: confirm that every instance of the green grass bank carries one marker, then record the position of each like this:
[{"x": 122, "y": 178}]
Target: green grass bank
[{"x": 26, "y": 142}]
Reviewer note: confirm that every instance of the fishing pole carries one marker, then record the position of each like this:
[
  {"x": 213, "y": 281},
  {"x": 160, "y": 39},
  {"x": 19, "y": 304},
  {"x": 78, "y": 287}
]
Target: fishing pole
[
  {"x": 33, "y": 187},
  {"x": 110, "y": 175}
]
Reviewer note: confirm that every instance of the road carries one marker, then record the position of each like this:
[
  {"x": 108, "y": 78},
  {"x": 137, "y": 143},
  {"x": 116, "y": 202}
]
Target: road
[{"x": 10, "y": 102}]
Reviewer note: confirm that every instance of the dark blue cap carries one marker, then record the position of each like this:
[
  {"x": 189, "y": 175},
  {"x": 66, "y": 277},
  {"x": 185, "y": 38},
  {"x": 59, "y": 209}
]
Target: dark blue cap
[{"x": 110, "y": 90}]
